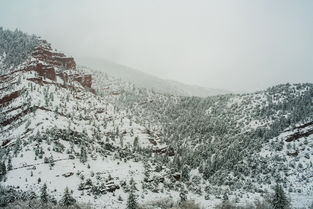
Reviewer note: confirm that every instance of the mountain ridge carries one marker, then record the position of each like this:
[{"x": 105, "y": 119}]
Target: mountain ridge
[
  {"x": 101, "y": 136},
  {"x": 145, "y": 80}
]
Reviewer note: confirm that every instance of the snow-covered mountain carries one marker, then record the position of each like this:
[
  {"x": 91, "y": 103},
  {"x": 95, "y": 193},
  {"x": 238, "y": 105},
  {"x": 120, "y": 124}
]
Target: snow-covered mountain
[
  {"x": 144, "y": 80},
  {"x": 104, "y": 137},
  {"x": 237, "y": 141},
  {"x": 56, "y": 130}
]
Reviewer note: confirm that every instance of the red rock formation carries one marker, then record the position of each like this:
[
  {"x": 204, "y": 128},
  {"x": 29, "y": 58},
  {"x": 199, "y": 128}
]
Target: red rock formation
[
  {"x": 52, "y": 59},
  {"x": 84, "y": 80},
  {"x": 47, "y": 65},
  {"x": 9, "y": 98},
  {"x": 45, "y": 71},
  {"x": 44, "y": 53}
]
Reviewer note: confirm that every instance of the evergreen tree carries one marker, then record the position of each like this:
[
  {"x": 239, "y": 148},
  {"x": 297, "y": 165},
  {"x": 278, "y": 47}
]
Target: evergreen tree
[
  {"x": 135, "y": 144},
  {"x": 46, "y": 160},
  {"x": 121, "y": 141},
  {"x": 120, "y": 198},
  {"x": 185, "y": 173},
  {"x": 3, "y": 170},
  {"x": 132, "y": 202},
  {"x": 10, "y": 167},
  {"x": 51, "y": 161},
  {"x": 225, "y": 197},
  {"x": 280, "y": 200},
  {"x": 67, "y": 200},
  {"x": 83, "y": 154},
  {"x": 44, "y": 195}
]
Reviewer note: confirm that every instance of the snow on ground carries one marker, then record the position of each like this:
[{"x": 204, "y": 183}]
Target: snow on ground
[{"x": 56, "y": 182}]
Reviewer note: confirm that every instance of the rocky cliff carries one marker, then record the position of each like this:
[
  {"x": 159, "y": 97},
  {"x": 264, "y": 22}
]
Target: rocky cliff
[{"x": 50, "y": 66}]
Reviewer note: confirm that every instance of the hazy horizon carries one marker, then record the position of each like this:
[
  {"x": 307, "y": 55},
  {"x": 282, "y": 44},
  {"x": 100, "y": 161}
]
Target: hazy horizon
[{"x": 238, "y": 46}]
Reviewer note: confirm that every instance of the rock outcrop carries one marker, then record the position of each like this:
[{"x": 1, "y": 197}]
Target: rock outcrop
[
  {"x": 50, "y": 64},
  {"x": 50, "y": 67},
  {"x": 44, "y": 53},
  {"x": 83, "y": 79}
]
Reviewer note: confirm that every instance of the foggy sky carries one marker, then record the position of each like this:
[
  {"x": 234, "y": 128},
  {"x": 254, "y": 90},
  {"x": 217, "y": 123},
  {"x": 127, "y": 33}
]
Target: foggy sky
[{"x": 239, "y": 45}]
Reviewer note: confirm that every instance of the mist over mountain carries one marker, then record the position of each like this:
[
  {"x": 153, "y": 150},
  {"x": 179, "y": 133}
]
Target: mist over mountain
[
  {"x": 145, "y": 80},
  {"x": 108, "y": 136}
]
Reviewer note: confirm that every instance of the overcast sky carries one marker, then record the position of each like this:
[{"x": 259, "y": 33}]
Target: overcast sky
[{"x": 239, "y": 45}]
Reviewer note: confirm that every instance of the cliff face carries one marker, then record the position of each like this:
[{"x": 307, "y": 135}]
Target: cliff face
[
  {"x": 49, "y": 64},
  {"x": 83, "y": 79},
  {"x": 45, "y": 67},
  {"x": 45, "y": 54}
]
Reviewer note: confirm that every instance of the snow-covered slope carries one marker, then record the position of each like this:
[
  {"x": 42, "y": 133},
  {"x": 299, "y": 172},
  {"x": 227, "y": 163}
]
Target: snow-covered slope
[
  {"x": 221, "y": 137},
  {"x": 99, "y": 135},
  {"x": 56, "y": 130},
  {"x": 288, "y": 157},
  {"x": 144, "y": 80}
]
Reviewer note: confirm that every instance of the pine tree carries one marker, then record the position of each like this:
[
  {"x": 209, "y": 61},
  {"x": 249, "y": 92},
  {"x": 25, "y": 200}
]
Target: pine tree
[
  {"x": 51, "y": 161},
  {"x": 67, "y": 200},
  {"x": 3, "y": 170},
  {"x": 280, "y": 200},
  {"x": 135, "y": 144},
  {"x": 122, "y": 141},
  {"x": 44, "y": 195},
  {"x": 46, "y": 160},
  {"x": 83, "y": 154},
  {"x": 10, "y": 167},
  {"x": 120, "y": 198},
  {"x": 225, "y": 197},
  {"x": 185, "y": 173},
  {"x": 183, "y": 196},
  {"x": 132, "y": 202}
]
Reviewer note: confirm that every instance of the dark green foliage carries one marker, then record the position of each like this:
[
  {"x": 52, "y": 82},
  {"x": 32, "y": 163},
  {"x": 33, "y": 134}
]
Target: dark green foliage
[
  {"x": 44, "y": 194},
  {"x": 9, "y": 195},
  {"x": 10, "y": 167},
  {"x": 279, "y": 199},
  {"x": 51, "y": 161},
  {"x": 16, "y": 45},
  {"x": 136, "y": 142},
  {"x": 120, "y": 198},
  {"x": 46, "y": 160},
  {"x": 3, "y": 170},
  {"x": 83, "y": 155},
  {"x": 225, "y": 197},
  {"x": 185, "y": 173},
  {"x": 212, "y": 134},
  {"x": 132, "y": 200},
  {"x": 67, "y": 200}
]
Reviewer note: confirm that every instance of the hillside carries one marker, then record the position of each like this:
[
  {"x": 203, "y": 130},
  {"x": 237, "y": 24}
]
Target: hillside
[
  {"x": 232, "y": 139},
  {"x": 106, "y": 138},
  {"x": 55, "y": 130},
  {"x": 144, "y": 80}
]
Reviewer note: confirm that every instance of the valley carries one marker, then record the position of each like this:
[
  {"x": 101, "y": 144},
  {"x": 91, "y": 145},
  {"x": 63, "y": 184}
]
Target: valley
[{"x": 102, "y": 138}]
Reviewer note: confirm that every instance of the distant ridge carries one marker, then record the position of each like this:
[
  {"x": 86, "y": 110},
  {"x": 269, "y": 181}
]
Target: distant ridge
[{"x": 145, "y": 80}]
